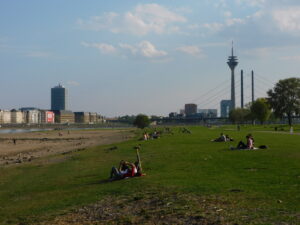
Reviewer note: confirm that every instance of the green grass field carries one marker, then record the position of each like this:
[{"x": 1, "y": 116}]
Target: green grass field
[{"x": 249, "y": 187}]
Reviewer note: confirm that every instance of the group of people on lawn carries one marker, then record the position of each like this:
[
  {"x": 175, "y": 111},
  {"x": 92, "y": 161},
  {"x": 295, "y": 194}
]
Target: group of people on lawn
[
  {"x": 128, "y": 169},
  {"x": 154, "y": 135},
  {"x": 241, "y": 145}
]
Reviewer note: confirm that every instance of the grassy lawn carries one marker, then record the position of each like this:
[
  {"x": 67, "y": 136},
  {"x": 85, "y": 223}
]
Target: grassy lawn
[{"x": 257, "y": 187}]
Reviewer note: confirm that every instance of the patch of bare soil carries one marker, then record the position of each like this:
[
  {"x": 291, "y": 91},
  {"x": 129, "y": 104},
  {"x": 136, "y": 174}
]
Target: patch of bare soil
[
  {"x": 164, "y": 208},
  {"x": 149, "y": 208},
  {"x": 24, "y": 147}
]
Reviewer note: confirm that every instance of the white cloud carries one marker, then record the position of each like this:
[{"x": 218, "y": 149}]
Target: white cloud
[
  {"x": 220, "y": 4},
  {"x": 191, "y": 50},
  {"x": 143, "y": 19},
  {"x": 227, "y": 14},
  {"x": 252, "y": 3},
  {"x": 288, "y": 19},
  {"x": 133, "y": 50},
  {"x": 214, "y": 27},
  {"x": 102, "y": 47},
  {"x": 144, "y": 49},
  {"x": 233, "y": 21}
]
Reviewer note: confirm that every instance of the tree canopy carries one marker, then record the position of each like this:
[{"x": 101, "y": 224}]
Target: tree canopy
[
  {"x": 260, "y": 110},
  {"x": 284, "y": 98},
  {"x": 141, "y": 121},
  {"x": 239, "y": 115}
]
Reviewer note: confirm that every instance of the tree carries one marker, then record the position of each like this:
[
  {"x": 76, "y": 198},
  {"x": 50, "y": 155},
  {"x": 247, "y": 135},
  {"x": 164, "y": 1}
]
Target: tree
[
  {"x": 284, "y": 98},
  {"x": 260, "y": 110},
  {"x": 239, "y": 115},
  {"x": 141, "y": 121},
  {"x": 127, "y": 119}
]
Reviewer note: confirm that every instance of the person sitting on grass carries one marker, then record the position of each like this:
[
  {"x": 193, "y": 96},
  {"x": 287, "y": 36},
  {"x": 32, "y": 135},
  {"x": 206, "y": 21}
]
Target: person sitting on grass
[
  {"x": 249, "y": 145},
  {"x": 146, "y": 136},
  {"x": 126, "y": 169},
  {"x": 222, "y": 138}
]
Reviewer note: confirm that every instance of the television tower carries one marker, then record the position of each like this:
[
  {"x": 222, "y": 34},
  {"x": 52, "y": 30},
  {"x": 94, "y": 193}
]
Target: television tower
[{"x": 232, "y": 63}]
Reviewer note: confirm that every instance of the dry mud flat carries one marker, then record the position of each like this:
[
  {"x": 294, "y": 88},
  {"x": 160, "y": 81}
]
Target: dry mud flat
[
  {"x": 148, "y": 208},
  {"x": 167, "y": 207},
  {"x": 160, "y": 208},
  {"x": 29, "y": 146}
]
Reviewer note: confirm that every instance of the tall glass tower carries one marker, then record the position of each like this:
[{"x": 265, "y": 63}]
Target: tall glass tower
[
  {"x": 59, "y": 98},
  {"x": 232, "y": 63}
]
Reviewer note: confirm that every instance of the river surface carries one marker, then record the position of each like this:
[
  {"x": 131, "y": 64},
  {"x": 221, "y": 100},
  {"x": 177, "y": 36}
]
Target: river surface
[{"x": 16, "y": 131}]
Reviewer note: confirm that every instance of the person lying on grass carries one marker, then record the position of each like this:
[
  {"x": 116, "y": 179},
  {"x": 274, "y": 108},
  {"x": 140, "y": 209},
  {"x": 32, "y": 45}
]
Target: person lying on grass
[
  {"x": 228, "y": 138},
  {"x": 125, "y": 169},
  {"x": 185, "y": 131},
  {"x": 222, "y": 138}
]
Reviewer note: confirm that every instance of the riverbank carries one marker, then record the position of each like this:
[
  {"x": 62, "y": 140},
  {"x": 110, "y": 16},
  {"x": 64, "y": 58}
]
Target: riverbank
[
  {"x": 65, "y": 126},
  {"x": 18, "y": 148}
]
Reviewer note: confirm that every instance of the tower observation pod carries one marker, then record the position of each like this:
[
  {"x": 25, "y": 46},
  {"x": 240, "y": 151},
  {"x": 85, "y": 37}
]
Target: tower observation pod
[{"x": 232, "y": 63}]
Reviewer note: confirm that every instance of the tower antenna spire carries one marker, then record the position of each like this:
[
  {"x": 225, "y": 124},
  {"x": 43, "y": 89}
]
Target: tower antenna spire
[{"x": 232, "y": 63}]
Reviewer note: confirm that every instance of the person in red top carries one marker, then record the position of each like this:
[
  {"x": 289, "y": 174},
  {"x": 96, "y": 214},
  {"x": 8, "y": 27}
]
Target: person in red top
[
  {"x": 131, "y": 171},
  {"x": 126, "y": 169}
]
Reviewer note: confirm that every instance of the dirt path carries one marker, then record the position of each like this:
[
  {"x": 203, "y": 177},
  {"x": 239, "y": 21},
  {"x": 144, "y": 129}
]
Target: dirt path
[{"x": 29, "y": 146}]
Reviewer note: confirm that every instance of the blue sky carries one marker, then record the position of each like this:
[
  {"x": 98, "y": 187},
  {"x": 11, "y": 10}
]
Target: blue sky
[{"x": 128, "y": 57}]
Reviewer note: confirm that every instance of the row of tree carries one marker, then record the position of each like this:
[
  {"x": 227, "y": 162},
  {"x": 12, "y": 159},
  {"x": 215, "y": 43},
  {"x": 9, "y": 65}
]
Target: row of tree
[{"x": 282, "y": 101}]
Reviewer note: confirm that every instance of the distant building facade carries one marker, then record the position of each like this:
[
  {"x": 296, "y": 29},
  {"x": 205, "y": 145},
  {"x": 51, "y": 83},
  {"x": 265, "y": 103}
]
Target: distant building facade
[
  {"x": 5, "y": 116},
  {"x": 59, "y": 98},
  {"x": 93, "y": 117},
  {"x": 31, "y": 116},
  {"x": 173, "y": 114},
  {"x": 190, "y": 109},
  {"x": 208, "y": 113},
  {"x": 64, "y": 116},
  {"x": 47, "y": 116},
  {"x": 87, "y": 117},
  {"x": 182, "y": 112},
  {"x": 17, "y": 116},
  {"x": 82, "y": 117},
  {"x": 225, "y": 106}
]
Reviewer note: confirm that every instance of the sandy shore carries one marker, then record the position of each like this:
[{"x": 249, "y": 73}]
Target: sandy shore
[{"x": 29, "y": 146}]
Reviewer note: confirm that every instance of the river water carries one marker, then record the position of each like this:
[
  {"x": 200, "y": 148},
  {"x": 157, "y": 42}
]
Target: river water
[{"x": 15, "y": 131}]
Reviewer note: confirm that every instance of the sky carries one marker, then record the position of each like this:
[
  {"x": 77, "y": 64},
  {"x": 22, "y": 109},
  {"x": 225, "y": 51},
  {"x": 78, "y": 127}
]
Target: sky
[{"x": 125, "y": 57}]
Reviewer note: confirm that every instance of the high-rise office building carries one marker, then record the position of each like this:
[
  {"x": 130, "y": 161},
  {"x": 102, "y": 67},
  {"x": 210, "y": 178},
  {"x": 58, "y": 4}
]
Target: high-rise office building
[
  {"x": 225, "y": 108},
  {"x": 59, "y": 98},
  {"x": 190, "y": 109}
]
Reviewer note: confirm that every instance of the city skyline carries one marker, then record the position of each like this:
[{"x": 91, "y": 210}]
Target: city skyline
[{"x": 120, "y": 58}]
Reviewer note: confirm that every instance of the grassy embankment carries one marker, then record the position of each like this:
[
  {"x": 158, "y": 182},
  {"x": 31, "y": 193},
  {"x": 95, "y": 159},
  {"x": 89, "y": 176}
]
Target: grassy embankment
[{"x": 260, "y": 186}]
